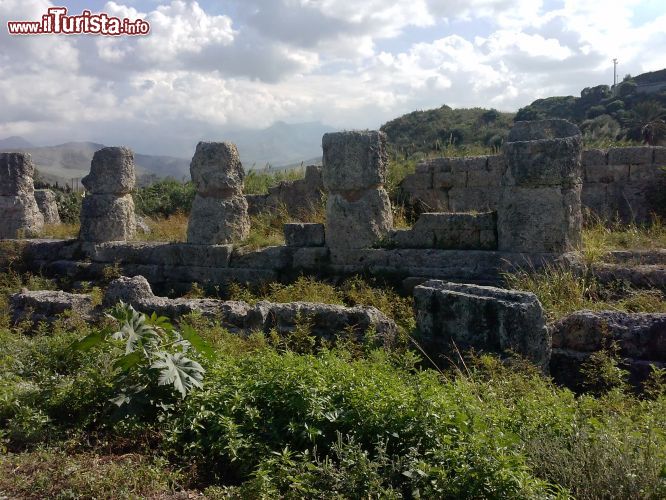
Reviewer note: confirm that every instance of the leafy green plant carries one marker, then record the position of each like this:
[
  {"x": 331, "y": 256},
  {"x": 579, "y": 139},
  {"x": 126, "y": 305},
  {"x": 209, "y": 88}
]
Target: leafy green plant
[{"x": 154, "y": 355}]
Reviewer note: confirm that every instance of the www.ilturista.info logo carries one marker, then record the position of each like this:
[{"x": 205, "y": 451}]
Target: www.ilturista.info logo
[{"x": 56, "y": 21}]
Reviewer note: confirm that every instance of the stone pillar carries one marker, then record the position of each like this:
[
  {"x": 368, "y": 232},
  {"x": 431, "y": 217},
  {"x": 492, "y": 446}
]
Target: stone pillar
[
  {"x": 540, "y": 208},
  {"x": 107, "y": 213},
  {"x": 19, "y": 214},
  {"x": 48, "y": 205},
  {"x": 358, "y": 209},
  {"x": 219, "y": 212}
]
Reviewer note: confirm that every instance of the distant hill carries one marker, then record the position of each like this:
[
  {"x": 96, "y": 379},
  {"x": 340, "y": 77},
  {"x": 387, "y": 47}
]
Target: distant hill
[
  {"x": 434, "y": 129},
  {"x": 14, "y": 142},
  {"x": 63, "y": 162},
  {"x": 604, "y": 113},
  {"x": 280, "y": 144}
]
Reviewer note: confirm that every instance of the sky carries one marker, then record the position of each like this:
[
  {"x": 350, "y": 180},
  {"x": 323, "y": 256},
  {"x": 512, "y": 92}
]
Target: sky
[{"x": 209, "y": 67}]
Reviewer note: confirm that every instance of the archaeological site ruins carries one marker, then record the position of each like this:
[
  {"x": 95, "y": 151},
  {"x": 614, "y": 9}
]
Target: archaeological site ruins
[{"x": 480, "y": 217}]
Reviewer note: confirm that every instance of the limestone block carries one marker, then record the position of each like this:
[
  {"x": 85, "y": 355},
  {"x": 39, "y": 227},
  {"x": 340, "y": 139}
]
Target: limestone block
[
  {"x": 218, "y": 221},
  {"x": 358, "y": 221},
  {"x": 660, "y": 156},
  {"x": 107, "y": 217},
  {"x": 273, "y": 258},
  {"x": 639, "y": 335},
  {"x": 311, "y": 258},
  {"x": 16, "y": 174},
  {"x": 326, "y": 320},
  {"x": 48, "y": 305},
  {"x": 46, "y": 201},
  {"x": 482, "y": 318},
  {"x": 546, "y": 219},
  {"x": 216, "y": 170},
  {"x": 111, "y": 172},
  {"x": 19, "y": 217},
  {"x": 545, "y": 162},
  {"x": 606, "y": 173},
  {"x": 469, "y": 199},
  {"x": 646, "y": 173},
  {"x": 639, "y": 155},
  {"x": 595, "y": 157},
  {"x": 304, "y": 235},
  {"x": 354, "y": 160}
]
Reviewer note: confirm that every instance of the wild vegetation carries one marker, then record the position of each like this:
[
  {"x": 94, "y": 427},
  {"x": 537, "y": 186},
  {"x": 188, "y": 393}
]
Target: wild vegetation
[{"x": 84, "y": 405}]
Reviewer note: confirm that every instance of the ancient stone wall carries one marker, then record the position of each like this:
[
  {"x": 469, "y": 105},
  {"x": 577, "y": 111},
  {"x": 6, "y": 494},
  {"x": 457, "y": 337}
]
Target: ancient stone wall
[
  {"x": 624, "y": 183},
  {"x": 298, "y": 198}
]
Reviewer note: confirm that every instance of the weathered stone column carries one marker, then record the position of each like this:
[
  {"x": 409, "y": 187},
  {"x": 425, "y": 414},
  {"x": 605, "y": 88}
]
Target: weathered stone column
[
  {"x": 19, "y": 214},
  {"x": 48, "y": 205},
  {"x": 540, "y": 207},
  {"x": 107, "y": 213},
  {"x": 358, "y": 209},
  {"x": 219, "y": 212}
]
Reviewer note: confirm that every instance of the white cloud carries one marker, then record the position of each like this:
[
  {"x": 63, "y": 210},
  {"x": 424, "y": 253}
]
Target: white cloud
[{"x": 199, "y": 72}]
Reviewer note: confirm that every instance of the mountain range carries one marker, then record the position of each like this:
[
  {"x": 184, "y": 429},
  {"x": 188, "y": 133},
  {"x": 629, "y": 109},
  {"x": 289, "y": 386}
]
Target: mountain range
[{"x": 281, "y": 146}]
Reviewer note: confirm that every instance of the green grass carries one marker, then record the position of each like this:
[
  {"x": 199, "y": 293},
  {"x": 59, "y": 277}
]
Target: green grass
[
  {"x": 562, "y": 291},
  {"x": 258, "y": 181},
  {"x": 601, "y": 237}
]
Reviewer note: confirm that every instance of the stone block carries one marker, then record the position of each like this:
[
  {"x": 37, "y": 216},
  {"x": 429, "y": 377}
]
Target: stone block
[
  {"x": 358, "y": 221},
  {"x": 326, "y": 320},
  {"x": 272, "y": 258},
  {"x": 354, "y": 160},
  {"x": 484, "y": 173},
  {"x": 592, "y": 157},
  {"x": 473, "y": 199},
  {"x": 540, "y": 220},
  {"x": 112, "y": 171},
  {"x": 49, "y": 305},
  {"x": 639, "y": 155},
  {"x": 311, "y": 258},
  {"x": 107, "y": 217},
  {"x": 483, "y": 318},
  {"x": 19, "y": 217},
  {"x": 304, "y": 235},
  {"x": 218, "y": 221},
  {"x": 638, "y": 335},
  {"x": 650, "y": 173},
  {"x": 660, "y": 156},
  {"x": 16, "y": 174},
  {"x": 216, "y": 170},
  {"x": 546, "y": 162},
  {"x": 606, "y": 174},
  {"x": 48, "y": 206}
]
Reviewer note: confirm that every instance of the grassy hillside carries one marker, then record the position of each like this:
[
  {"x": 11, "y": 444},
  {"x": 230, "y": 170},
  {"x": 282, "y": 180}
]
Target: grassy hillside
[
  {"x": 438, "y": 129},
  {"x": 626, "y": 113}
]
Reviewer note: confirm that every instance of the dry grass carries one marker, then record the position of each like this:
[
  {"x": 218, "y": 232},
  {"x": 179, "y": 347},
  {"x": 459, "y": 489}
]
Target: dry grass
[
  {"x": 601, "y": 237},
  {"x": 172, "y": 228},
  {"x": 56, "y": 474},
  {"x": 60, "y": 231},
  {"x": 562, "y": 291}
]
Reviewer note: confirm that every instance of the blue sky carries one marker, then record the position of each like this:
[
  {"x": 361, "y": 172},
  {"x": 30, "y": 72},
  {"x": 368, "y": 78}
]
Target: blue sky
[{"x": 209, "y": 67}]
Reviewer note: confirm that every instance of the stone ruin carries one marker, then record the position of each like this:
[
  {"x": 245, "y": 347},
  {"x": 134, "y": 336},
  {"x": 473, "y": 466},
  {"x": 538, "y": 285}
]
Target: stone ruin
[
  {"x": 19, "y": 213},
  {"x": 48, "y": 206},
  {"x": 534, "y": 219},
  {"x": 539, "y": 208},
  {"x": 219, "y": 212},
  {"x": 626, "y": 184},
  {"x": 107, "y": 212},
  {"x": 358, "y": 209}
]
